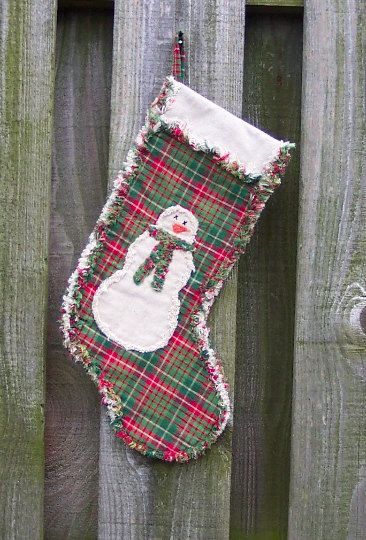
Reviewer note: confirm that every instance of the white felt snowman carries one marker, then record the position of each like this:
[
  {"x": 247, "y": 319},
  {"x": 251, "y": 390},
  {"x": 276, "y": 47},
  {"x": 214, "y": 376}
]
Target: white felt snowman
[{"x": 136, "y": 306}]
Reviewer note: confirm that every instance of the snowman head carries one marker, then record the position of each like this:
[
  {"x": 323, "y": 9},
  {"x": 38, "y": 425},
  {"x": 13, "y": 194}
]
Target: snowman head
[{"x": 179, "y": 222}]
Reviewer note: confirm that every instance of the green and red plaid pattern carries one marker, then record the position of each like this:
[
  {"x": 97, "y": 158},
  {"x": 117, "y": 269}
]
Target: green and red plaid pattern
[
  {"x": 179, "y": 58},
  {"x": 160, "y": 258},
  {"x": 166, "y": 403}
]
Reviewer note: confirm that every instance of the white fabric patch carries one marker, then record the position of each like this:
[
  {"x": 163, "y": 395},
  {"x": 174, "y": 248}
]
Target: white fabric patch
[
  {"x": 222, "y": 130},
  {"x": 137, "y": 316}
]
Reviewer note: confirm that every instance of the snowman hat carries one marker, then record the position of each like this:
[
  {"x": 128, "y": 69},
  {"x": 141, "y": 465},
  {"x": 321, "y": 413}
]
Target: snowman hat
[{"x": 181, "y": 215}]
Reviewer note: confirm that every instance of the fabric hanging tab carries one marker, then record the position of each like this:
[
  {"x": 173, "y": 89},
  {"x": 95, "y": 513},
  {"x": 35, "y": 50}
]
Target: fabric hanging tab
[{"x": 179, "y": 58}]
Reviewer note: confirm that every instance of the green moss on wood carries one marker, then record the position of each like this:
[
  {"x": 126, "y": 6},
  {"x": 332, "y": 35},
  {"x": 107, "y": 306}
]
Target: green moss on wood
[{"x": 26, "y": 56}]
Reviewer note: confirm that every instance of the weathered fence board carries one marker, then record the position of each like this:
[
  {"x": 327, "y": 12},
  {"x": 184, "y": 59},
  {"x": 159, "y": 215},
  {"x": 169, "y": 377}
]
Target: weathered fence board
[
  {"x": 272, "y": 95},
  {"x": 26, "y": 106},
  {"x": 79, "y": 182},
  {"x": 201, "y": 506},
  {"x": 138, "y": 498},
  {"x": 276, "y": 3},
  {"x": 142, "y": 47},
  {"x": 328, "y": 484}
]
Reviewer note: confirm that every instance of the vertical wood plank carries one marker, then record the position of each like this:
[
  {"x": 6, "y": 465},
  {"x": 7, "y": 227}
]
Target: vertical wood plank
[
  {"x": 266, "y": 297},
  {"x": 276, "y": 3},
  {"x": 26, "y": 106},
  {"x": 142, "y": 39},
  {"x": 193, "y": 501},
  {"x": 140, "y": 498},
  {"x": 327, "y": 498},
  {"x": 79, "y": 181}
]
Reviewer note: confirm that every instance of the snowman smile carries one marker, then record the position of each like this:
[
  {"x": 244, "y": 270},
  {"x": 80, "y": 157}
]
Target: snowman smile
[{"x": 178, "y": 228}]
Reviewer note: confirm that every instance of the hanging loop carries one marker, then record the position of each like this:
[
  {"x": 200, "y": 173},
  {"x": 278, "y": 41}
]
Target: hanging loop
[{"x": 179, "y": 58}]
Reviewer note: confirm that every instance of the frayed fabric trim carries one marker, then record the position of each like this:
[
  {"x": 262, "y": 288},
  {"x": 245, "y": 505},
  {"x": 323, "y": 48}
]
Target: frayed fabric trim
[
  {"x": 185, "y": 133},
  {"x": 260, "y": 190}
]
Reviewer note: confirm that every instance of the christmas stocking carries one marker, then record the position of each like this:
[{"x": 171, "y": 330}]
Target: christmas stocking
[{"x": 182, "y": 210}]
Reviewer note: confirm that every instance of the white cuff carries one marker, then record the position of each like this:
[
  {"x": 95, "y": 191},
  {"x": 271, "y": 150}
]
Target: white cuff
[{"x": 217, "y": 128}]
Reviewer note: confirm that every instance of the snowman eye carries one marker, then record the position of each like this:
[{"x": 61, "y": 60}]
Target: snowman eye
[
  {"x": 184, "y": 222},
  {"x": 176, "y": 216}
]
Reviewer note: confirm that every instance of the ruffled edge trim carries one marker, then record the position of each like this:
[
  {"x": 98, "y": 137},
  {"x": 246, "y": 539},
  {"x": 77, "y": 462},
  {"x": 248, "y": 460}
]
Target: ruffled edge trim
[{"x": 260, "y": 188}]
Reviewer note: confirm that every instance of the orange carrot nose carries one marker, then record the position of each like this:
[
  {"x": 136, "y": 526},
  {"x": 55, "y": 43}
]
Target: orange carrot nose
[{"x": 178, "y": 228}]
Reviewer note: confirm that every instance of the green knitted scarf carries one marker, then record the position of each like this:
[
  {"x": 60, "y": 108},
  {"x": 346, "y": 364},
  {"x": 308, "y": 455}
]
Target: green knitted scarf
[{"x": 160, "y": 257}]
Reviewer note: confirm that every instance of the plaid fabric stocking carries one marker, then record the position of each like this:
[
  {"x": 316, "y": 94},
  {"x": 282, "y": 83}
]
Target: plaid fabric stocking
[{"x": 182, "y": 210}]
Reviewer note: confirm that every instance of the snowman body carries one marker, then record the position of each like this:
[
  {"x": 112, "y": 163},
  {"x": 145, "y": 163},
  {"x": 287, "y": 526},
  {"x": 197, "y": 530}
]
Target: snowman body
[{"x": 136, "y": 316}]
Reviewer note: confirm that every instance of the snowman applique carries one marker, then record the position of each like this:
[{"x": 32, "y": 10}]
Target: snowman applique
[{"x": 138, "y": 306}]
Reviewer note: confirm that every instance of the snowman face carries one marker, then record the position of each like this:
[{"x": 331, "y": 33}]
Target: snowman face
[{"x": 179, "y": 222}]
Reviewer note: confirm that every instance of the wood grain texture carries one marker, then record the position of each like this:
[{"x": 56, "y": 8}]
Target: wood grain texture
[
  {"x": 79, "y": 182},
  {"x": 267, "y": 272},
  {"x": 95, "y": 5},
  {"x": 142, "y": 40},
  {"x": 276, "y": 3},
  {"x": 140, "y": 498},
  {"x": 108, "y": 4},
  {"x": 327, "y": 497},
  {"x": 26, "y": 84}
]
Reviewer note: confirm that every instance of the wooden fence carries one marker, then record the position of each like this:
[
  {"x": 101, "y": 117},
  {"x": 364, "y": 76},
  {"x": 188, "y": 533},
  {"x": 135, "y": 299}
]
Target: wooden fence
[{"x": 75, "y": 84}]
